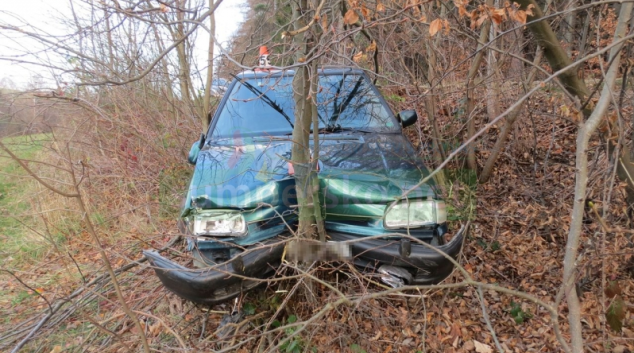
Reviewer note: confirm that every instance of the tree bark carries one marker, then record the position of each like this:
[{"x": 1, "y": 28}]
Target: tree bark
[
  {"x": 569, "y": 27},
  {"x": 206, "y": 111},
  {"x": 487, "y": 170},
  {"x": 554, "y": 53},
  {"x": 183, "y": 62},
  {"x": 470, "y": 104},
  {"x": 304, "y": 40},
  {"x": 430, "y": 106}
]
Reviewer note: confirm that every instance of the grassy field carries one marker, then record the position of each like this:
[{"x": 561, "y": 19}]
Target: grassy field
[{"x": 17, "y": 242}]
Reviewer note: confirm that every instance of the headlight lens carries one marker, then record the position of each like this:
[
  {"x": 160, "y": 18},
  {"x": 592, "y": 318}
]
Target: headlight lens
[
  {"x": 219, "y": 224},
  {"x": 416, "y": 213}
]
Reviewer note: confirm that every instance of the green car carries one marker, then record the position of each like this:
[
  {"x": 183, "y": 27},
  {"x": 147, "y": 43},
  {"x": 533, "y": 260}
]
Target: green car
[{"x": 242, "y": 200}]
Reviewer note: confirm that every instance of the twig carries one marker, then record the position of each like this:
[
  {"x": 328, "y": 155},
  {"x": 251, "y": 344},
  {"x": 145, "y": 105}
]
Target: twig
[
  {"x": 77, "y": 292},
  {"x": 305, "y": 28},
  {"x": 27, "y": 286},
  {"x": 176, "y": 335},
  {"x": 485, "y": 315}
]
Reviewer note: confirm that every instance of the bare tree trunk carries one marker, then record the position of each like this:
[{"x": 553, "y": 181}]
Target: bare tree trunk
[
  {"x": 206, "y": 111},
  {"x": 183, "y": 62},
  {"x": 569, "y": 27},
  {"x": 487, "y": 170},
  {"x": 493, "y": 80},
  {"x": 304, "y": 106},
  {"x": 317, "y": 209},
  {"x": 584, "y": 36},
  {"x": 470, "y": 104},
  {"x": 166, "y": 74},
  {"x": 111, "y": 60},
  {"x": 554, "y": 53},
  {"x": 430, "y": 107}
]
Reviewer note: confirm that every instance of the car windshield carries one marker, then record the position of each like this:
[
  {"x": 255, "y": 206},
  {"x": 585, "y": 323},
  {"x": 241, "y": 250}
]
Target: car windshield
[{"x": 265, "y": 106}]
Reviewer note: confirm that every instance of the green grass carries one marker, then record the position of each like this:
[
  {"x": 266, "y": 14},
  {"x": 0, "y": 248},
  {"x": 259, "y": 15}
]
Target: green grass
[
  {"x": 17, "y": 243},
  {"x": 462, "y": 189}
]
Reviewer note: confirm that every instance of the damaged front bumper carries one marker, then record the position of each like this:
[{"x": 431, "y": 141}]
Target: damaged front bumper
[
  {"x": 223, "y": 281},
  {"x": 395, "y": 256},
  {"x": 398, "y": 261}
]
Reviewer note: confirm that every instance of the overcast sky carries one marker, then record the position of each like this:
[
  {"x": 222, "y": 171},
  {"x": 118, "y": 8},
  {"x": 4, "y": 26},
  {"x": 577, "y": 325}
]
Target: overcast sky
[{"x": 44, "y": 14}]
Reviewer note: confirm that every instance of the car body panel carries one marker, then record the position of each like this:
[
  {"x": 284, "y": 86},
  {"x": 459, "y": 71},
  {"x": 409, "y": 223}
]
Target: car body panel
[
  {"x": 366, "y": 169},
  {"x": 218, "y": 283},
  {"x": 430, "y": 266}
]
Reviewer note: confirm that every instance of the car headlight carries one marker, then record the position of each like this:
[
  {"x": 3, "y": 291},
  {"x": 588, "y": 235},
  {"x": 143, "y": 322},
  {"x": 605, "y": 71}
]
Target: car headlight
[
  {"x": 415, "y": 213},
  {"x": 219, "y": 223}
]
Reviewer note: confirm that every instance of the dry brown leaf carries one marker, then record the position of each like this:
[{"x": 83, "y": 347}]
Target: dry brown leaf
[
  {"x": 350, "y": 17},
  {"x": 377, "y": 336},
  {"x": 435, "y": 26},
  {"x": 358, "y": 57},
  {"x": 156, "y": 328},
  {"x": 324, "y": 22},
  {"x": 480, "y": 21},
  {"x": 520, "y": 16},
  {"x": 446, "y": 25},
  {"x": 371, "y": 47},
  {"x": 414, "y": 4},
  {"x": 498, "y": 15},
  {"x": 481, "y": 347},
  {"x": 380, "y": 7},
  {"x": 56, "y": 349},
  {"x": 497, "y": 19},
  {"x": 619, "y": 349},
  {"x": 476, "y": 16},
  {"x": 462, "y": 11},
  {"x": 365, "y": 12}
]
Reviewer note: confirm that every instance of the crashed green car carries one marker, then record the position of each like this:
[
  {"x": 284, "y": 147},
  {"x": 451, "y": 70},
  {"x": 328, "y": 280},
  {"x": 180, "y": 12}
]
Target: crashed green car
[{"x": 242, "y": 200}]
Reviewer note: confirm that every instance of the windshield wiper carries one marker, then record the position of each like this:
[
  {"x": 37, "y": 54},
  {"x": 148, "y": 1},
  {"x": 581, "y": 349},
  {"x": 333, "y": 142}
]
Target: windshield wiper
[
  {"x": 266, "y": 99},
  {"x": 339, "y": 128}
]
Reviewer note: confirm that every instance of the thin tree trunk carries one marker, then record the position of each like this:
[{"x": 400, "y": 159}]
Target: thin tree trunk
[
  {"x": 300, "y": 154},
  {"x": 430, "y": 107},
  {"x": 554, "y": 53},
  {"x": 166, "y": 74},
  {"x": 111, "y": 60},
  {"x": 319, "y": 218},
  {"x": 569, "y": 29},
  {"x": 487, "y": 170},
  {"x": 183, "y": 62},
  {"x": 584, "y": 35},
  {"x": 470, "y": 104},
  {"x": 206, "y": 111},
  {"x": 493, "y": 80}
]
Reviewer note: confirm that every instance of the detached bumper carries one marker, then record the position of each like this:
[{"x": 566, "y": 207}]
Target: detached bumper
[
  {"x": 221, "y": 282},
  {"x": 426, "y": 265}
]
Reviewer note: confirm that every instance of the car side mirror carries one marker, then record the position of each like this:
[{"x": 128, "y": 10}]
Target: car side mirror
[
  {"x": 196, "y": 147},
  {"x": 407, "y": 117}
]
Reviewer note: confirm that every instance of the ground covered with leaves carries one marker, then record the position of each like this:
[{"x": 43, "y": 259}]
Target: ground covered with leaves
[{"x": 517, "y": 241}]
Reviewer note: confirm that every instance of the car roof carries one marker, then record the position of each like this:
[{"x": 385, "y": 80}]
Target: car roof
[{"x": 326, "y": 70}]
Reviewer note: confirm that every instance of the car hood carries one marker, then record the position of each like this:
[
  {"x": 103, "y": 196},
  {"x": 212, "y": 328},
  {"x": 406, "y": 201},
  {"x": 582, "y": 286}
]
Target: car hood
[{"x": 246, "y": 173}]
